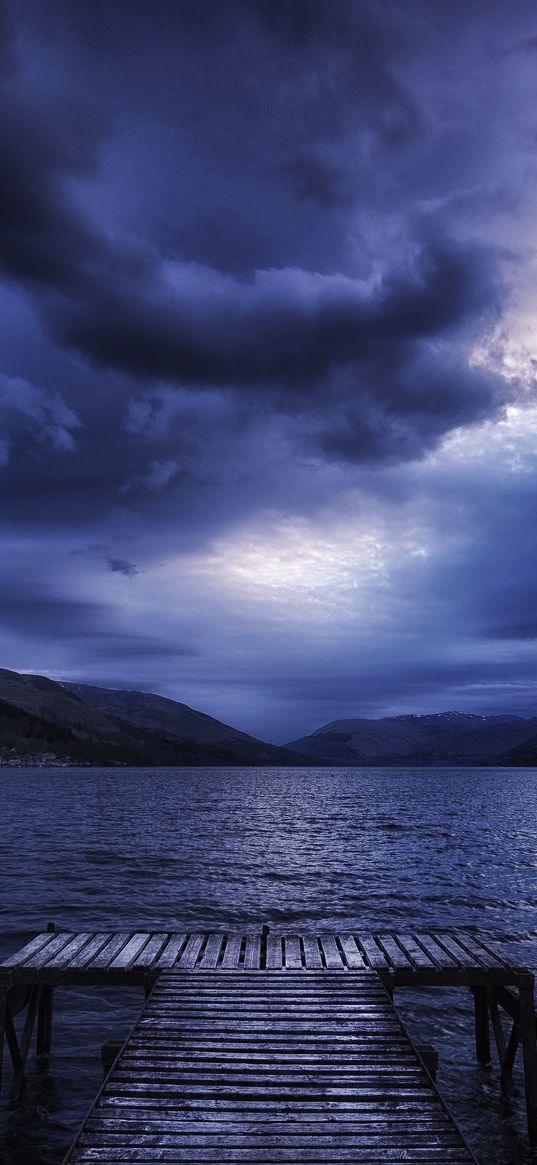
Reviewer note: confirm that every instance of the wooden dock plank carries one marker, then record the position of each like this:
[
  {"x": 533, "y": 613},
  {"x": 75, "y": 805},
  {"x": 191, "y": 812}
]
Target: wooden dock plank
[
  {"x": 90, "y": 949},
  {"x": 417, "y": 958},
  {"x": 171, "y": 951},
  {"x": 487, "y": 956},
  {"x": 373, "y": 955},
  {"x": 232, "y": 952},
  {"x": 252, "y": 951},
  {"x": 212, "y": 951},
  {"x": 66, "y": 954},
  {"x": 150, "y": 952},
  {"x": 435, "y": 951},
  {"x": 397, "y": 958},
  {"x": 294, "y": 1093},
  {"x": 189, "y": 955},
  {"x": 274, "y": 952},
  {"x": 105, "y": 957},
  {"x": 352, "y": 956},
  {"x": 331, "y": 952},
  {"x": 291, "y": 952},
  {"x": 128, "y": 953},
  {"x": 36, "y": 944},
  {"x": 312, "y": 954},
  {"x": 59, "y": 941}
]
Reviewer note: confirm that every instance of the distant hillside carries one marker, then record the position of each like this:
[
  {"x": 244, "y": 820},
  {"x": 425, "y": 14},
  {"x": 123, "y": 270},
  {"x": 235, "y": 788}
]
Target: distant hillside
[
  {"x": 40, "y": 718},
  {"x": 178, "y": 727},
  {"x": 524, "y": 756},
  {"x": 447, "y": 738}
]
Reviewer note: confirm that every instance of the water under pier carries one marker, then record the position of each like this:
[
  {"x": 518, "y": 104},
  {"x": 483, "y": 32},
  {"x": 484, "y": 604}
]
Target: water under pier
[{"x": 271, "y": 1047}]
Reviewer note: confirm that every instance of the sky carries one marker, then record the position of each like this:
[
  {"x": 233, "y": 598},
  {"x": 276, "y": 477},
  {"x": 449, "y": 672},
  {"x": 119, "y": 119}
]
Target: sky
[{"x": 268, "y": 419}]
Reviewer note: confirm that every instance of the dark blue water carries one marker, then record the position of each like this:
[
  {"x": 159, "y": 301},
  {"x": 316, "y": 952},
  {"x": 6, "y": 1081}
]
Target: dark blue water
[{"x": 352, "y": 849}]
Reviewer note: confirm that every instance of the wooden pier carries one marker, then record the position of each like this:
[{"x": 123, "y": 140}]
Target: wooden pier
[
  {"x": 243, "y": 1031},
  {"x": 304, "y": 1067}
]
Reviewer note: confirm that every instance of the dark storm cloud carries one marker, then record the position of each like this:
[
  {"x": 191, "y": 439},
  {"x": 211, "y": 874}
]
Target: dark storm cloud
[
  {"x": 122, "y": 566},
  {"x": 43, "y": 616},
  {"x": 294, "y": 340}
]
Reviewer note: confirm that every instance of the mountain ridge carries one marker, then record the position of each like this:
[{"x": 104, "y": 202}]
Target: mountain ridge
[
  {"x": 102, "y": 726},
  {"x": 446, "y": 738}
]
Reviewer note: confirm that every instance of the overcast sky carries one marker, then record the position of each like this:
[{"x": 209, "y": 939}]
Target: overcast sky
[{"x": 268, "y": 421}]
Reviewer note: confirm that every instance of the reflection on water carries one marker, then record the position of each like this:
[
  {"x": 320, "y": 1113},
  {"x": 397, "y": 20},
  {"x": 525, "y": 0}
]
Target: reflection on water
[{"x": 366, "y": 849}]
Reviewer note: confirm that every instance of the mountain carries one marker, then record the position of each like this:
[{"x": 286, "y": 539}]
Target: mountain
[
  {"x": 524, "y": 756},
  {"x": 177, "y": 725},
  {"x": 445, "y": 738},
  {"x": 43, "y": 720}
]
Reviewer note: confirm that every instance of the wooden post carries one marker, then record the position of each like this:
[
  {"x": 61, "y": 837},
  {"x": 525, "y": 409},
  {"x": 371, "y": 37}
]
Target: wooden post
[
  {"x": 3, "y": 1009},
  {"x": 44, "y": 1015},
  {"x": 528, "y": 1039},
  {"x": 263, "y": 948},
  {"x": 481, "y": 1020},
  {"x": 44, "y": 1022}
]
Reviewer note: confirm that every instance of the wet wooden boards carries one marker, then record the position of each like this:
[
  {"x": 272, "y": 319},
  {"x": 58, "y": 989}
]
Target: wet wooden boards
[
  {"x": 283, "y": 1068},
  {"x": 401, "y": 959}
]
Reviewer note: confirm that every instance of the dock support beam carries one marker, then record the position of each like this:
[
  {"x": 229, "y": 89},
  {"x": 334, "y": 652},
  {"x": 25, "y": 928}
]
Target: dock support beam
[
  {"x": 520, "y": 1008},
  {"x": 528, "y": 1039},
  {"x": 481, "y": 1019},
  {"x": 3, "y": 1013},
  {"x": 44, "y": 1022},
  {"x": 44, "y": 1014}
]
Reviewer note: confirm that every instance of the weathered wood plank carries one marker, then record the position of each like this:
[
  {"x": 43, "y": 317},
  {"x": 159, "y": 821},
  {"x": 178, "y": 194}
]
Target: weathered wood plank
[
  {"x": 274, "y": 952},
  {"x": 252, "y": 951},
  {"x": 31, "y": 948},
  {"x": 150, "y": 952},
  {"x": 171, "y": 951},
  {"x": 115, "y": 944},
  {"x": 436, "y": 952},
  {"x": 58, "y": 941},
  {"x": 146, "y": 1155},
  {"x": 128, "y": 953},
  {"x": 291, "y": 952},
  {"x": 88, "y": 951},
  {"x": 212, "y": 951},
  {"x": 331, "y": 952},
  {"x": 373, "y": 956},
  {"x": 312, "y": 953},
  {"x": 352, "y": 956},
  {"x": 395, "y": 956},
  {"x": 416, "y": 956},
  {"x": 486, "y": 957},
  {"x": 232, "y": 952},
  {"x": 191, "y": 952},
  {"x": 66, "y": 953}
]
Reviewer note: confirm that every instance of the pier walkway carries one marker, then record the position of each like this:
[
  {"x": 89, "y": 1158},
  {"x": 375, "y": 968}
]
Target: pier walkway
[
  {"x": 286, "y": 979},
  {"x": 249, "y": 1067}
]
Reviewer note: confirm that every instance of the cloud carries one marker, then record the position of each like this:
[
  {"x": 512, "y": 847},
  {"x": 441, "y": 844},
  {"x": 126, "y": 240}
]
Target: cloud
[
  {"x": 29, "y": 413},
  {"x": 122, "y": 566},
  {"x": 294, "y": 339}
]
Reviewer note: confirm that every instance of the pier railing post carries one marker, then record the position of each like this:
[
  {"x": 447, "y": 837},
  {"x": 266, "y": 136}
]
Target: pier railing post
[{"x": 263, "y": 948}]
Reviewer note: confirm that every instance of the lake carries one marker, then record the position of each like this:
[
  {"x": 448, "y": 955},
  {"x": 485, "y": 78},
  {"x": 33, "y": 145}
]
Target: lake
[{"x": 349, "y": 849}]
